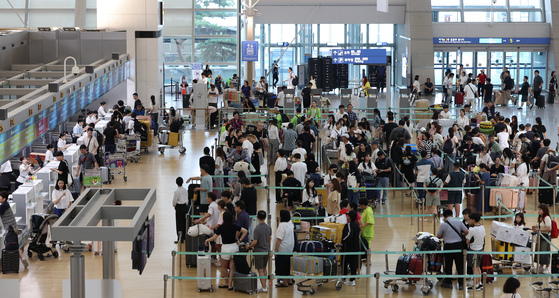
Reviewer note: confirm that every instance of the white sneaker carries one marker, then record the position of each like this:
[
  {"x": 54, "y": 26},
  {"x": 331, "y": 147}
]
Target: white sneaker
[
  {"x": 547, "y": 271},
  {"x": 263, "y": 291},
  {"x": 349, "y": 283}
]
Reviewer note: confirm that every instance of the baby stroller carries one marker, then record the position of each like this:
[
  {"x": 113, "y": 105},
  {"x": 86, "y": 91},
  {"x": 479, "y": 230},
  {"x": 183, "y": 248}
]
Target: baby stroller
[{"x": 38, "y": 242}]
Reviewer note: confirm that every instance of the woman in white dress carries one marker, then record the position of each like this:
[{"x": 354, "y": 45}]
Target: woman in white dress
[{"x": 523, "y": 172}]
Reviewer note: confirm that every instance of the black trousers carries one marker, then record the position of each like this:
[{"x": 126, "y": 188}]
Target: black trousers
[
  {"x": 457, "y": 258},
  {"x": 353, "y": 262},
  {"x": 480, "y": 88},
  {"x": 278, "y": 183},
  {"x": 180, "y": 219},
  {"x": 275, "y": 80}
]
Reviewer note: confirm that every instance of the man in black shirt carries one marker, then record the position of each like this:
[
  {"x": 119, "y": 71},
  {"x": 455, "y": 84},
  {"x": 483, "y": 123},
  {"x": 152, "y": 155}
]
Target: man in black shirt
[
  {"x": 536, "y": 145},
  {"x": 529, "y": 133},
  {"x": 388, "y": 127},
  {"x": 137, "y": 101},
  {"x": 307, "y": 96},
  {"x": 248, "y": 196},
  {"x": 208, "y": 160},
  {"x": 307, "y": 138},
  {"x": 62, "y": 169},
  {"x": 501, "y": 126},
  {"x": 384, "y": 169},
  {"x": 428, "y": 87},
  {"x": 292, "y": 195},
  {"x": 489, "y": 110},
  {"x": 109, "y": 139}
]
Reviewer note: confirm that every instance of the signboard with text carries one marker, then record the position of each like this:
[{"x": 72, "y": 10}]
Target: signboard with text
[
  {"x": 490, "y": 40},
  {"x": 359, "y": 56},
  {"x": 250, "y": 50}
]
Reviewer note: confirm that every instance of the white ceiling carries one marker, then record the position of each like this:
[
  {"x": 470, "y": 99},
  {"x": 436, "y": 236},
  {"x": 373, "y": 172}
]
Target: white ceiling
[{"x": 324, "y": 2}]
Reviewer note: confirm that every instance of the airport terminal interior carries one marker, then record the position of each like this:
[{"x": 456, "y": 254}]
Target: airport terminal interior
[{"x": 174, "y": 78}]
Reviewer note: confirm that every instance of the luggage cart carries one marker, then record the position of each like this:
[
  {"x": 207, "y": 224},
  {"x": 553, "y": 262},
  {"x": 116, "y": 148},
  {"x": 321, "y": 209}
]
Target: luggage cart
[
  {"x": 130, "y": 145},
  {"x": 554, "y": 285},
  {"x": 309, "y": 288},
  {"x": 164, "y": 141},
  {"x": 116, "y": 164},
  {"x": 499, "y": 264},
  {"x": 393, "y": 283}
]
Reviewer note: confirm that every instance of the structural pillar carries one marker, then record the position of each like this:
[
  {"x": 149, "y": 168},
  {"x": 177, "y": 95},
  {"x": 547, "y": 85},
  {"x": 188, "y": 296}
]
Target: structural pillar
[
  {"x": 108, "y": 254},
  {"x": 77, "y": 271},
  {"x": 249, "y": 35}
]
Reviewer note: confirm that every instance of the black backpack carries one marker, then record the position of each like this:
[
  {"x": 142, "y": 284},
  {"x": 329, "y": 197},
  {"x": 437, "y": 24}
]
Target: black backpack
[
  {"x": 295, "y": 81},
  {"x": 140, "y": 127},
  {"x": 432, "y": 184},
  {"x": 284, "y": 117},
  {"x": 448, "y": 146},
  {"x": 11, "y": 241},
  {"x": 241, "y": 264},
  {"x": 552, "y": 160}
]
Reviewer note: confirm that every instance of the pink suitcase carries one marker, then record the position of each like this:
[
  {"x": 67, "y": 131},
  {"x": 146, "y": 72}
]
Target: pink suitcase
[{"x": 509, "y": 197}]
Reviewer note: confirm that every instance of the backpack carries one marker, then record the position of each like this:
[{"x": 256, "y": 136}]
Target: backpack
[
  {"x": 432, "y": 184},
  {"x": 241, "y": 264},
  {"x": 284, "y": 117},
  {"x": 11, "y": 241},
  {"x": 140, "y": 127},
  {"x": 295, "y": 81},
  {"x": 448, "y": 146},
  {"x": 552, "y": 160},
  {"x": 554, "y": 231},
  {"x": 351, "y": 180}
]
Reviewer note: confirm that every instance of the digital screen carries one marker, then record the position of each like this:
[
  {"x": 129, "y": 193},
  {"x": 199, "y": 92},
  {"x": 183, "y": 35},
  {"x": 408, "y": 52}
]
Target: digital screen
[
  {"x": 144, "y": 250},
  {"x": 151, "y": 235},
  {"x": 491, "y": 40},
  {"x": 23, "y": 134}
]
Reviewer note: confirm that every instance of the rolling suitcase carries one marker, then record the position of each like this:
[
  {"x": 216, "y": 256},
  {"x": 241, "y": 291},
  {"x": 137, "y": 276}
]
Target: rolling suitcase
[
  {"x": 306, "y": 266},
  {"x": 444, "y": 196},
  {"x": 204, "y": 269},
  {"x": 105, "y": 175},
  {"x": 540, "y": 101},
  {"x": 436, "y": 262},
  {"x": 193, "y": 196},
  {"x": 487, "y": 266},
  {"x": 458, "y": 98},
  {"x": 504, "y": 247},
  {"x": 472, "y": 202},
  {"x": 10, "y": 261},
  {"x": 330, "y": 267},
  {"x": 193, "y": 244},
  {"x": 545, "y": 196},
  {"x": 403, "y": 264},
  {"x": 245, "y": 283},
  {"x": 509, "y": 197},
  {"x": 416, "y": 266}
]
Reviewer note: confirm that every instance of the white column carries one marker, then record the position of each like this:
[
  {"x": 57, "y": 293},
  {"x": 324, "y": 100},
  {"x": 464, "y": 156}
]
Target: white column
[{"x": 144, "y": 42}]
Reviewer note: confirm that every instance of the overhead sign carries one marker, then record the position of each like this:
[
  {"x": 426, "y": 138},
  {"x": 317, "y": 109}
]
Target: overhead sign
[
  {"x": 359, "y": 56},
  {"x": 490, "y": 40},
  {"x": 250, "y": 50},
  {"x": 197, "y": 70}
]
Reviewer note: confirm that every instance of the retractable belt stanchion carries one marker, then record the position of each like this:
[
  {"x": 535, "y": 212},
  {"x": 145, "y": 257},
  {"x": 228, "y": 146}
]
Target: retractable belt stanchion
[
  {"x": 165, "y": 278},
  {"x": 483, "y": 282},
  {"x": 483, "y": 203},
  {"x": 465, "y": 256},
  {"x": 377, "y": 277}
]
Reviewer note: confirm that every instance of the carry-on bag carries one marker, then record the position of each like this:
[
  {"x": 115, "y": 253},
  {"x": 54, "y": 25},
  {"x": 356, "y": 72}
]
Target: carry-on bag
[
  {"x": 311, "y": 246},
  {"x": 10, "y": 261},
  {"x": 245, "y": 283},
  {"x": 306, "y": 266},
  {"x": 193, "y": 244},
  {"x": 204, "y": 270},
  {"x": 403, "y": 264},
  {"x": 416, "y": 266},
  {"x": 458, "y": 98},
  {"x": 509, "y": 197}
]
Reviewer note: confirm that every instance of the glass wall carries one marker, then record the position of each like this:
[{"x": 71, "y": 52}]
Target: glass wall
[
  {"x": 317, "y": 40},
  {"x": 520, "y": 63},
  {"x": 487, "y": 11}
]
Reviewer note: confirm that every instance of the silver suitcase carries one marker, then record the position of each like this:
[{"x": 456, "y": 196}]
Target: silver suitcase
[
  {"x": 164, "y": 137},
  {"x": 204, "y": 269},
  {"x": 105, "y": 175}
]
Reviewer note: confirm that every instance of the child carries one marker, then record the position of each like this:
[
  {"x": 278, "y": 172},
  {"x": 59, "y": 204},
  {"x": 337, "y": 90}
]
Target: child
[
  {"x": 519, "y": 222},
  {"x": 343, "y": 207},
  {"x": 310, "y": 195},
  {"x": 466, "y": 214},
  {"x": 475, "y": 239}
]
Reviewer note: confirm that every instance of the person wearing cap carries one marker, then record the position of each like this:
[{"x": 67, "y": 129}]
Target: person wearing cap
[{"x": 384, "y": 169}]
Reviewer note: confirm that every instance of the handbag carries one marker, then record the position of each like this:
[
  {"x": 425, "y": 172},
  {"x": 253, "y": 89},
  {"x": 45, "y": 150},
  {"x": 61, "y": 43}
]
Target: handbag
[
  {"x": 464, "y": 245},
  {"x": 70, "y": 179}
]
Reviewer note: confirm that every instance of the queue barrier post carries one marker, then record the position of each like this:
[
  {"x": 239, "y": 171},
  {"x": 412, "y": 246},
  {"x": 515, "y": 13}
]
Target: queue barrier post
[
  {"x": 434, "y": 224},
  {"x": 412, "y": 202},
  {"x": 173, "y": 254},
  {"x": 165, "y": 278},
  {"x": 538, "y": 249},
  {"x": 368, "y": 288},
  {"x": 180, "y": 255},
  {"x": 270, "y": 274},
  {"x": 554, "y": 198},
  {"x": 483, "y": 203},
  {"x": 377, "y": 277},
  {"x": 537, "y": 196},
  {"x": 474, "y": 285},
  {"x": 484, "y": 282},
  {"x": 465, "y": 261}
]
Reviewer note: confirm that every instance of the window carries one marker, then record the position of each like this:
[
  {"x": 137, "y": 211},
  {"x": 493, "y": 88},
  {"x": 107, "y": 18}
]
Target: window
[
  {"x": 332, "y": 33},
  {"x": 215, "y": 50},
  {"x": 487, "y": 11},
  {"x": 215, "y": 22},
  {"x": 216, "y": 4}
]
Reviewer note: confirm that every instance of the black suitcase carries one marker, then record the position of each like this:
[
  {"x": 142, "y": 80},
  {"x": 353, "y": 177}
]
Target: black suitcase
[
  {"x": 551, "y": 98},
  {"x": 329, "y": 267},
  {"x": 191, "y": 193},
  {"x": 545, "y": 195},
  {"x": 403, "y": 264},
  {"x": 194, "y": 244},
  {"x": 186, "y": 101},
  {"x": 10, "y": 261},
  {"x": 202, "y": 208},
  {"x": 243, "y": 284},
  {"x": 540, "y": 101}
]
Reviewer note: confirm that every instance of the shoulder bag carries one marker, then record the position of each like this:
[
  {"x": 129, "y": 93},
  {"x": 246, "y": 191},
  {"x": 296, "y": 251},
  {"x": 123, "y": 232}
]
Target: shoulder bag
[{"x": 464, "y": 245}]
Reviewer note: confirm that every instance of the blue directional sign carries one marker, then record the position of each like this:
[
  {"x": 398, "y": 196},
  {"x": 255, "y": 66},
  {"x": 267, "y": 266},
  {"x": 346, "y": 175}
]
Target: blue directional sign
[
  {"x": 359, "y": 56},
  {"x": 250, "y": 51},
  {"x": 490, "y": 40}
]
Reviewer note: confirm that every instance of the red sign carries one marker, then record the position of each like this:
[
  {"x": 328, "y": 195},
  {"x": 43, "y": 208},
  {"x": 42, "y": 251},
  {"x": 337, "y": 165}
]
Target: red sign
[{"x": 43, "y": 126}]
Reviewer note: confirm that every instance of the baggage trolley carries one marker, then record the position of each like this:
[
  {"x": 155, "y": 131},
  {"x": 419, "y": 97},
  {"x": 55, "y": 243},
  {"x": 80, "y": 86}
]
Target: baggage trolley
[
  {"x": 164, "y": 141},
  {"x": 394, "y": 283},
  {"x": 130, "y": 145},
  {"x": 499, "y": 264},
  {"x": 540, "y": 291},
  {"x": 116, "y": 164},
  {"x": 309, "y": 288}
]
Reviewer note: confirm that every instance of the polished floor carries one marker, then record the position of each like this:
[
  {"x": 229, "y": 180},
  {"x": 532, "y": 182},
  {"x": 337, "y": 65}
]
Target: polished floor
[{"x": 44, "y": 278}]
